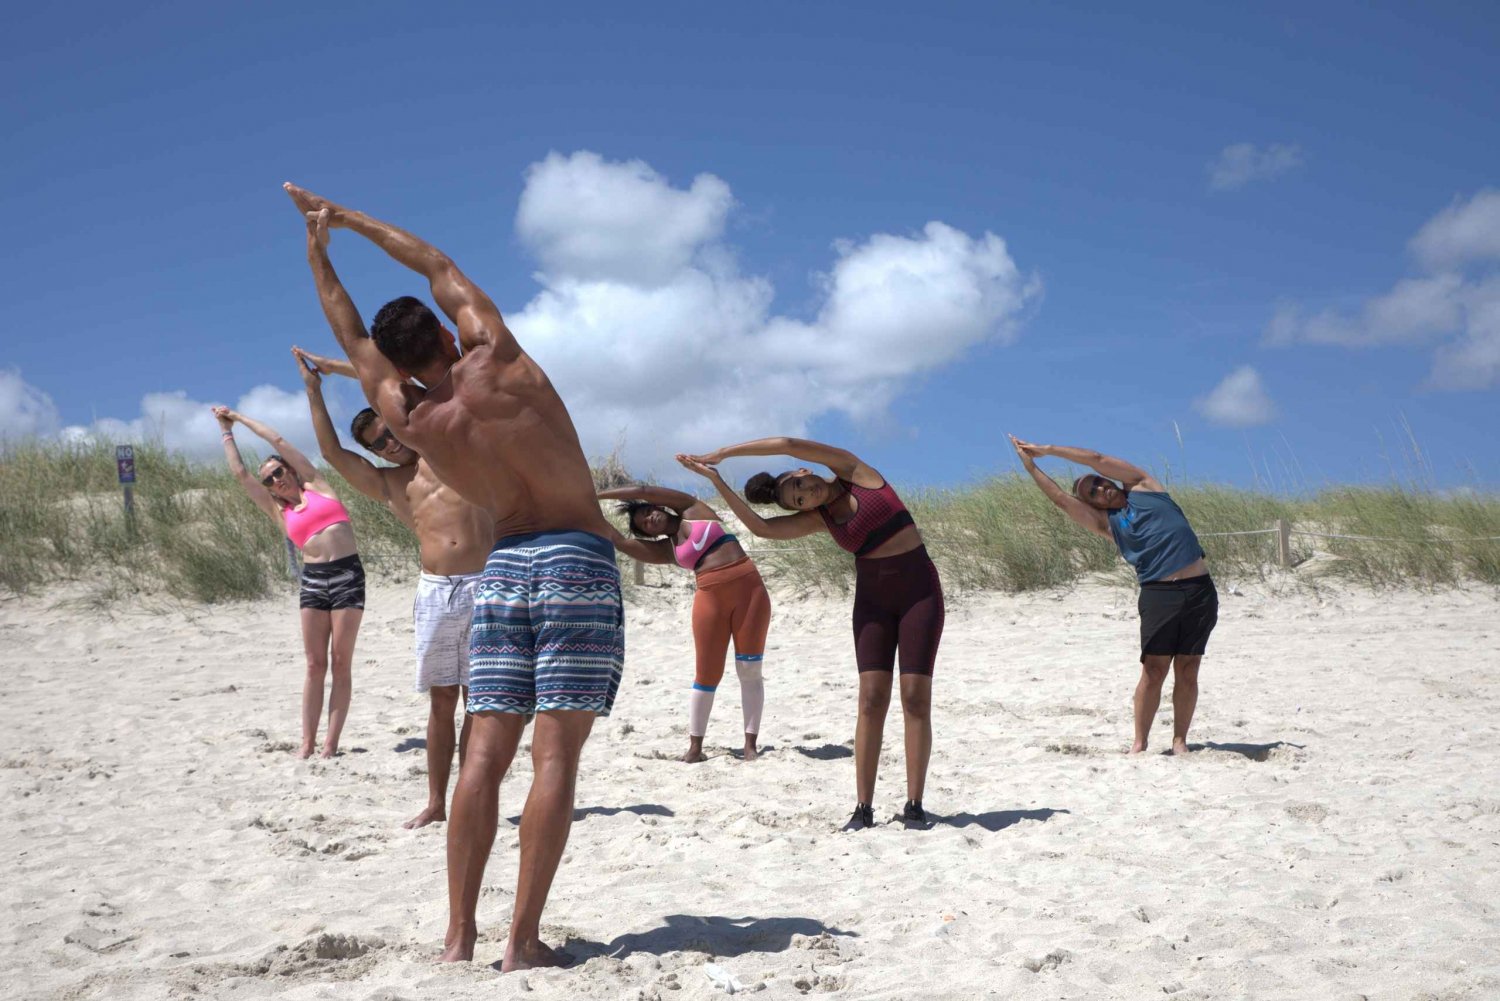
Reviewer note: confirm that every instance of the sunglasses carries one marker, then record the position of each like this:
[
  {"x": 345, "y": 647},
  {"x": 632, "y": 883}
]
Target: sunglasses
[
  {"x": 383, "y": 442},
  {"x": 1095, "y": 487},
  {"x": 274, "y": 476}
]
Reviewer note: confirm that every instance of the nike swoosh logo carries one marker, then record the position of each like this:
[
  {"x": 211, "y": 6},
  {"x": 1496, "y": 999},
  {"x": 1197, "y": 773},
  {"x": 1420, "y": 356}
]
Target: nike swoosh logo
[{"x": 698, "y": 546}]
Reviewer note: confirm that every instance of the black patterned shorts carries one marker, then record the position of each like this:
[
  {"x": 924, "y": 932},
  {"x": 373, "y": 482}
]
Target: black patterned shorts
[{"x": 336, "y": 584}]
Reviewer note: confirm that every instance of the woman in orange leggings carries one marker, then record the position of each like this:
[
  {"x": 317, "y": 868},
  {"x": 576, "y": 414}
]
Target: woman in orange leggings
[{"x": 670, "y": 526}]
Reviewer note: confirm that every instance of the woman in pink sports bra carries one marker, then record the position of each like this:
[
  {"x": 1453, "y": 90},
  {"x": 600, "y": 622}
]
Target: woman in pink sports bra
[
  {"x": 898, "y": 599},
  {"x": 731, "y": 602},
  {"x": 290, "y": 489}
]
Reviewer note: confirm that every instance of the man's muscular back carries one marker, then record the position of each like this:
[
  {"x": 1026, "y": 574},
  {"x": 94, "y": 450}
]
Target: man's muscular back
[{"x": 500, "y": 436}]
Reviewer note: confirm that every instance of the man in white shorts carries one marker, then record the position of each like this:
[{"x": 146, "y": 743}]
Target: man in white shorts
[{"x": 455, "y": 538}]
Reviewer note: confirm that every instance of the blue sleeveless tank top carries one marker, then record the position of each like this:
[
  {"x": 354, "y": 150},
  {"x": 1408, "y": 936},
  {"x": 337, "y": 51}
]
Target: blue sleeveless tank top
[{"x": 1153, "y": 535}]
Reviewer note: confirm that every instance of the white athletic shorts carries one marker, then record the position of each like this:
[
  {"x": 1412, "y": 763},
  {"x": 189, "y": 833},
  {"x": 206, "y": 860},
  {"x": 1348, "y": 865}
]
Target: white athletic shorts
[{"x": 441, "y": 613}]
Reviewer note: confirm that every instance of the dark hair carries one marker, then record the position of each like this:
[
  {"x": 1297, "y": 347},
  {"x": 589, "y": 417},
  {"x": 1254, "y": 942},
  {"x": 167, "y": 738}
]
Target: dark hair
[
  {"x": 362, "y": 420},
  {"x": 407, "y": 333},
  {"x": 763, "y": 488},
  {"x": 630, "y": 507},
  {"x": 1077, "y": 483}
]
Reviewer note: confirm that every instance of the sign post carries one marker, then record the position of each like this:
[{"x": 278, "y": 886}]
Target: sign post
[{"x": 125, "y": 466}]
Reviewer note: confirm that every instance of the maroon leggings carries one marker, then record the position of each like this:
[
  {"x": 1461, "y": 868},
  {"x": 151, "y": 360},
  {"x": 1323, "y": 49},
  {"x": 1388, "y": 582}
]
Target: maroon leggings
[{"x": 898, "y": 606}]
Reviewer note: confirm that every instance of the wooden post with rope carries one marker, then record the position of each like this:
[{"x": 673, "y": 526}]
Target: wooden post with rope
[{"x": 1283, "y": 543}]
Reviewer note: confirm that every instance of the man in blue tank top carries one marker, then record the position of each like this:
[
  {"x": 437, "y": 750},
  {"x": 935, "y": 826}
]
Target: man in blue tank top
[{"x": 1178, "y": 603}]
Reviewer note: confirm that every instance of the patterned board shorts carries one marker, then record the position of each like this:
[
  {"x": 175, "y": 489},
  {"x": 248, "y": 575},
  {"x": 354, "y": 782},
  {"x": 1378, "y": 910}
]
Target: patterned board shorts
[
  {"x": 549, "y": 626},
  {"x": 441, "y": 613},
  {"x": 333, "y": 585}
]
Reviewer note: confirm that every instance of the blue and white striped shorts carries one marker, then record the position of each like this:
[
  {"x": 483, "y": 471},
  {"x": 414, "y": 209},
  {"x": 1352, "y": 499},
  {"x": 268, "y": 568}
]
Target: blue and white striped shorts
[{"x": 549, "y": 626}]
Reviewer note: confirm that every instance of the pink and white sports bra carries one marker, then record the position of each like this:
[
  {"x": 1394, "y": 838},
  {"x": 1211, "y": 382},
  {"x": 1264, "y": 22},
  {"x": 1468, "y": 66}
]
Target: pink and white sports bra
[
  {"x": 317, "y": 513},
  {"x": 703, "y": 538}
]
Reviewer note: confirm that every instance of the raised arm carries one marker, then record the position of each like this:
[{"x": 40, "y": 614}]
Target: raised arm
[
  {"x": 786, "y": 526},
  {"x": 641, "y": 550},
  {"x": 361, "y": 473},
  {"x": 676, "y": 500},
  {"x": 844, "y": 463},
  {"x": 475, "y": 314},
  {"x": 258, "y": 493},
  {"x": 326, "y": 365},
  {"x": 1091, "y": 518},
  {"x": 380, "y": 379},
  {"x": 293, "y": 455},
  {"x": 1133, "y": 477}
]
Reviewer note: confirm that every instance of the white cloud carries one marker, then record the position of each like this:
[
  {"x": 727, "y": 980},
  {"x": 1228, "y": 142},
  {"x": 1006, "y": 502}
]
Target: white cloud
[
  {"x": 1463, "y": 233},
  {"x": 1241, "y": 163},
  {"x": 1239, "y": 400},
  {"x": 590, "y": 220},
  {"x": 678, "y": 350},
  {"x": 25, "y": 411},
  {"x": 1460, "y": 310},
  {"x": 185, "y": 425}
]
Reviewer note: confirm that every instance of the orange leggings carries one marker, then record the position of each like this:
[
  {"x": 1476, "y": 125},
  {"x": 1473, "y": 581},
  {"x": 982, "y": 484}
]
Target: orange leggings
[{"x": 731, "y": 603}]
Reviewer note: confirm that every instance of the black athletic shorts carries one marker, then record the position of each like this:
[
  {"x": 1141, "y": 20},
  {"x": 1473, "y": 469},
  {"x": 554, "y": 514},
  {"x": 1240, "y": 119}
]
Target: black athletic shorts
[
  {"x": 1177, "y": 616},
  {"x": 336, "y": 584}
]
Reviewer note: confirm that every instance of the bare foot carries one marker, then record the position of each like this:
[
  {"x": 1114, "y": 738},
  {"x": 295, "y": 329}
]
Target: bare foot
[
  {"x": 430, "y": 815},
  {"x": 329, "y": 752},
  {"x": 306, "y": 751},
  {"x": 531, "y": 956},
  {"x": 1139, "y": 747},
  {"x": 1179, "y": 747},
  {"x": 693, "y": 756},
  {"x": 459, "y": 950},
  {"x": 751, "y": 753}
]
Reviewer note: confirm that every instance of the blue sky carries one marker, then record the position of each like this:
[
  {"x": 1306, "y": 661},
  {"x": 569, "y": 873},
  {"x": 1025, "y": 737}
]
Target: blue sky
[{"x": 1210, "y": 221}]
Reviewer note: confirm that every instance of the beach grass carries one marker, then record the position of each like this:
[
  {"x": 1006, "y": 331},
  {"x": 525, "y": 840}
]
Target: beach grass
[{"x": 195, "y": 535}]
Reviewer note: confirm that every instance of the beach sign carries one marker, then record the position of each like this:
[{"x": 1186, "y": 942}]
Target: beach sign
[{"x": 125, "y": 466}]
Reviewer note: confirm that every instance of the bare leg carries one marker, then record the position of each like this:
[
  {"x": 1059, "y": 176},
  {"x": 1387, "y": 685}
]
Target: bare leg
[
  {"x": 317, "y": 626},
  {"x": 556, "y": 745},
  {"x": 916, "y": 706},
  {"x": 463, "y": 733},
  {"x": 1184, "y": 698},
  {"x": 440, "y": 744},
  {"x": 869, "y": 729},
  {"x": 471, "y": 832},
  {"x": 1148, "y": 697},
  {"x": 752, "y": 751},
  {"x": 345, "y": 631}
]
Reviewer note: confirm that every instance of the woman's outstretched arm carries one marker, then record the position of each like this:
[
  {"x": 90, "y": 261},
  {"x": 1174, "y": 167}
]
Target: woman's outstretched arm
[
  {"x": 786, "y": 526},
  {"x": 293, "y": 455},
  {"x": 1091, "y": 518},
  {"x": 641, "y": 550},
  {"x": 843, "y": 462},
  {"x": 663, "y": 496},
  {"x": 258, "y": 493},
  {"x": 1131, "y": 476}
]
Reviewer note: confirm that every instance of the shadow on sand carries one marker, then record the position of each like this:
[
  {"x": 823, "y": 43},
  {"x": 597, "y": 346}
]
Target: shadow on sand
[
  {"x": 716, "y": 936},
  {"x": 640, "y": 809},
  {"x": 412, "y": 744},
  {"x": 997, "y": 820},
  {"x": 1255, "y": 752},
  {"x": 826, "y": 752}
]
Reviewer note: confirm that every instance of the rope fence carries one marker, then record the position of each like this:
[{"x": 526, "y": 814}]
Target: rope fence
[{"x": 1283, "y": 530}]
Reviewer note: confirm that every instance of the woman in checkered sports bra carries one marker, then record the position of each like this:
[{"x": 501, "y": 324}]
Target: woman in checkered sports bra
[{"x": 898, "y": 598}]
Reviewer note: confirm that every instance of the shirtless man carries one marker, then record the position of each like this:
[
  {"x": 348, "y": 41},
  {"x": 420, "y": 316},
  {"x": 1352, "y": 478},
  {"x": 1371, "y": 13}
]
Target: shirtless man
[
  {"x": 454, "y": 537},
  {"x": 548, "y": 637}
]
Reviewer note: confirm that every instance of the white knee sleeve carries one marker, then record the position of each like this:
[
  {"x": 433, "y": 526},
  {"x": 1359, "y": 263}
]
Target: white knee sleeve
[
  {"x": 752, "y": 689},
  {"x": 700, "y": 704}
]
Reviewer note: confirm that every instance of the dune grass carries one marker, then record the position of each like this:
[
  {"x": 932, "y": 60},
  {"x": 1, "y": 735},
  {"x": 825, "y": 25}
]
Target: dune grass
[{"x": 196, "y": 537}]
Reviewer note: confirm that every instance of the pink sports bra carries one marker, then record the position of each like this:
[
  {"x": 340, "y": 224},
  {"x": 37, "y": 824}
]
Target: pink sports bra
[
  {"x": 703, "y": 538},
  {"x": 318, "y": 512}
]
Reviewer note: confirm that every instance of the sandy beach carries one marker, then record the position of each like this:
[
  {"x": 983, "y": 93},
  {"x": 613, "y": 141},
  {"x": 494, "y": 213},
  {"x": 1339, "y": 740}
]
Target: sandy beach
[{"x": 1337, "y": 836}]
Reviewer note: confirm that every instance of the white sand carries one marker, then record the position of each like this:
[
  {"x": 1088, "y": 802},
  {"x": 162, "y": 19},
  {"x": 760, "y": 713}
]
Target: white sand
[{"x": 1337, "y": 840}]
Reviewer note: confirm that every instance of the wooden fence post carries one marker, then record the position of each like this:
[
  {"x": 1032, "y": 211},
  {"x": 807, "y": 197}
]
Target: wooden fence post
[
  {"x": 291, "y": 559},
  {"x": 638, "y": 571},
  {"x": 1283, "y": 542}
]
